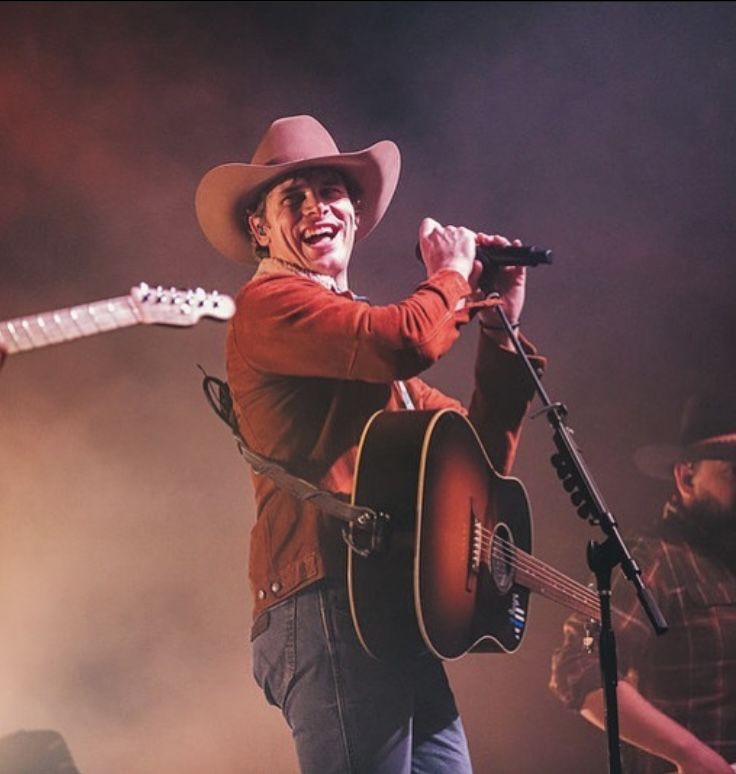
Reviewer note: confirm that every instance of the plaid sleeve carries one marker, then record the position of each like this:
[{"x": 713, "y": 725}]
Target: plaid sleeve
[{"x": 575, "y": 667}]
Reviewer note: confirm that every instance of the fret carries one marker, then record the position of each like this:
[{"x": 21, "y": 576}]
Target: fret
[
  {"x": 34, "y": 332},
  {"x": 10, "y": 339},
  {"x": 66, "y": 327},
  {"x": 68, "y": 324},
  {"x": 53, "y": 332},
  {"x": 107, "y": 315},
  {"x": 85, "y": 322},
  {"x": 126, "y": 313}
]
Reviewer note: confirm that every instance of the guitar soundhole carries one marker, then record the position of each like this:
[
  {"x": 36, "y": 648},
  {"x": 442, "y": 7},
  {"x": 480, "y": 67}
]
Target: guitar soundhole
[{"x": 502, "y": 558}]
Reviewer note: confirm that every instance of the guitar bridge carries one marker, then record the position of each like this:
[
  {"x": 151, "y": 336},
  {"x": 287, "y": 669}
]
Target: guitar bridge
[{"x": 476, "y": 547}]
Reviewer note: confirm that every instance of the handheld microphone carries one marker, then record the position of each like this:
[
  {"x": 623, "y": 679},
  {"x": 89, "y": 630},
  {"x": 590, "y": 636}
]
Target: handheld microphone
[{"x": 500, "y": 255}]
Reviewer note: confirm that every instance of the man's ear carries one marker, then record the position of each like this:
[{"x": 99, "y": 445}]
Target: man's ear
[
  {"x": 258, "y": 229},
  {"x": 684, "y": 473}
]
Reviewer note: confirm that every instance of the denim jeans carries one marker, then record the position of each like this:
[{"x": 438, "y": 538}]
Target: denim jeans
[{"x": 348, "y": 713}]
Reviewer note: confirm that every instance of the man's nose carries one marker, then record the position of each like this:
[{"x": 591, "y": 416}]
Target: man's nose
[{"x": 313, "y": 202}]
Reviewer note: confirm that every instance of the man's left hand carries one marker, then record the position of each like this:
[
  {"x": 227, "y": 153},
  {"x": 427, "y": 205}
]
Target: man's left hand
[{"x": 509, "y": 283}]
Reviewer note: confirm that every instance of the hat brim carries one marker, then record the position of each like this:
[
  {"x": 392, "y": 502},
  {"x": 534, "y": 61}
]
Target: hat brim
[
  {"x": 657, "y": 461},
  {"x": 227, "y": 191}
]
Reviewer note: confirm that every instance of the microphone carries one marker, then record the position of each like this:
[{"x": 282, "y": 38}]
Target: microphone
[{"x": 500, "y": 255}]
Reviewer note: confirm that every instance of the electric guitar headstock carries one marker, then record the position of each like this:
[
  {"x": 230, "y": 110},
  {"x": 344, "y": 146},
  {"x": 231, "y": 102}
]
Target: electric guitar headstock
[{"x": 175, "y": 306}]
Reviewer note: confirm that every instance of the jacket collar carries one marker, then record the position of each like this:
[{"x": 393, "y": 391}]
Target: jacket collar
[{"x": 272, "y": 265}]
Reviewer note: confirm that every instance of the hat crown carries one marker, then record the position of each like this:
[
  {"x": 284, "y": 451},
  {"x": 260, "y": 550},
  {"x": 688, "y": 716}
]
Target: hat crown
[
  {"x": 707, "y": 415},
  {"x": 294, "y": 138}
]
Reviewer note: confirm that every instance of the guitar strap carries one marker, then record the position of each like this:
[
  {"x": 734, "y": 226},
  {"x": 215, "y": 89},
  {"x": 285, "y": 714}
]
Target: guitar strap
[
  {"x": 217, "y": 393},
  {"x": 405, "y": 397}
]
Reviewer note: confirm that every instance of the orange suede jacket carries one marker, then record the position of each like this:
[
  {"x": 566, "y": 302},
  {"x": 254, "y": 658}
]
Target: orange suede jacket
[{"x": 308, "y": 367}]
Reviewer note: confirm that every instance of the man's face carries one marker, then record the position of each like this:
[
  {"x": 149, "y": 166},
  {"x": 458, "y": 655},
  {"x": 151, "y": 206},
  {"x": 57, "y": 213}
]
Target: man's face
[
  {"x": 711, "y": 488},
  {"x": 309, "y": 220}
]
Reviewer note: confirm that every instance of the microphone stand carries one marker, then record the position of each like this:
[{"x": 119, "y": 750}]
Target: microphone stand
[{"x": 602, "y": 557}]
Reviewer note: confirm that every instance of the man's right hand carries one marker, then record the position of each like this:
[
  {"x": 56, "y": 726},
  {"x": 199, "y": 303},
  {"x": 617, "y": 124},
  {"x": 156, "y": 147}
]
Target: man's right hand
[
  {"x": 646, "y": 727},
  {"x": 446, "y": 247},
  {"x": 702, "y": 758}
]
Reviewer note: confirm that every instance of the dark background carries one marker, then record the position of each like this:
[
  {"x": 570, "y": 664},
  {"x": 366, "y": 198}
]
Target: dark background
[{"x": 604, "y": 131}]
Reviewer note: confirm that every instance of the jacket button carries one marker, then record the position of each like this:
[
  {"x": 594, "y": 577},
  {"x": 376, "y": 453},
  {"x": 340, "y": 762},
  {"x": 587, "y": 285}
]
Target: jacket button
[
  {"x": 261, "y": 594},
  {"x": 275, "y": 587}
]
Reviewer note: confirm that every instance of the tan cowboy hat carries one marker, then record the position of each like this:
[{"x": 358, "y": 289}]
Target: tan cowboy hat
[
  {"x": 707, "y": 431},
  {"x": 296, "y": 142}
]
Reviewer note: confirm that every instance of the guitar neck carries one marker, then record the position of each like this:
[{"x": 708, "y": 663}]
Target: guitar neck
[
  {"x": 41, "y": 330},
  {"x": 145, "y": 304},
  {"x": 543, "y": 579}
]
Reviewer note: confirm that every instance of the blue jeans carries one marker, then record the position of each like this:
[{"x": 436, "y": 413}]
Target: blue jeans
[{"x": 348, "y": 713}]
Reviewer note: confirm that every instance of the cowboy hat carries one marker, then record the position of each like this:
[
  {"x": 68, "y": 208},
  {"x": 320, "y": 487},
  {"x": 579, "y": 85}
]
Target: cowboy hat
[
  {"x": 707, "y": 431},
  {"x": 296, "y": 142}
]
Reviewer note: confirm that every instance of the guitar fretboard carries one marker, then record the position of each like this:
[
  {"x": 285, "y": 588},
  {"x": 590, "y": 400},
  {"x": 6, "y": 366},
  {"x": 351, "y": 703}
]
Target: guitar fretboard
[{"x": 24, "y": 333}]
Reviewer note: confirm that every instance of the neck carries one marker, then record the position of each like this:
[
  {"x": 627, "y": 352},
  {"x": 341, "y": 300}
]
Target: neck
[{"x": 273, "y": 264}]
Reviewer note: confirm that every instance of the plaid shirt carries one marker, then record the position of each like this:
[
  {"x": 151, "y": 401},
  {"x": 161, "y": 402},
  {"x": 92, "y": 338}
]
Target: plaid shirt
[{"x": 690, "y": 672}]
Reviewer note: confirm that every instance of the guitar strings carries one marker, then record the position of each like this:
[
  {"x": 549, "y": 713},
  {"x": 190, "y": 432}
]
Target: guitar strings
[
  {"x": 554, "y": 586},
  {"x": 537, "y": 569},
  {"x": 519, "y": 558}
]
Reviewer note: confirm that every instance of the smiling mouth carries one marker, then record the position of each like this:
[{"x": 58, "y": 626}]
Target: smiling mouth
[{"x": 321, "y": 234}]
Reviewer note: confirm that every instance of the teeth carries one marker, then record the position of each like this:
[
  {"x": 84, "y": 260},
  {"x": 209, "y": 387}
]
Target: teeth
[{"x": 318, "y": 233}]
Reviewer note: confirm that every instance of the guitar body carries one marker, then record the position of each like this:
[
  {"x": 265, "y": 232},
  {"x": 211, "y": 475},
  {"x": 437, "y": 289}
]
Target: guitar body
[{"x": 432, "y": 586}]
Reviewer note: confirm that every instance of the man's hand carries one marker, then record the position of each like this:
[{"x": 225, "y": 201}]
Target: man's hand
[
  {"x": 701, "y": 758},
  {"x": 446, "y": 247},
  {"x": 509, "y": 283},
  {"x": 644, "y": 726}
]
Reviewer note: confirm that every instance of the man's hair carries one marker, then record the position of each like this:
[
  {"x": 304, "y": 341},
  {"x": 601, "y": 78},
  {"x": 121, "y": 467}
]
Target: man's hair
[{"x": 259, "y": 208}]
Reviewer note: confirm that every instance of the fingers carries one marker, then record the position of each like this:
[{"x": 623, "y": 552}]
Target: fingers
[
  {"x": 446, "y": 247},
  {"x": 427, "y": 226},
  {"x": 475, "y": 275},
  {"x": 496, "y": 239}
]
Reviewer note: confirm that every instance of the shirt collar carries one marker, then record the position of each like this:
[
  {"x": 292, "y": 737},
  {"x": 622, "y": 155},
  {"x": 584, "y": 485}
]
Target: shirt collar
[{"x": 273, "y": 265}]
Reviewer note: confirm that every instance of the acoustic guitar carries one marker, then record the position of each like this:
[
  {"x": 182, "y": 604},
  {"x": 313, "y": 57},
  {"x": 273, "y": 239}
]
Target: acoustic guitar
[
  {"x": 145, "y": 305},
  {"x": 454, "y": 569}
]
